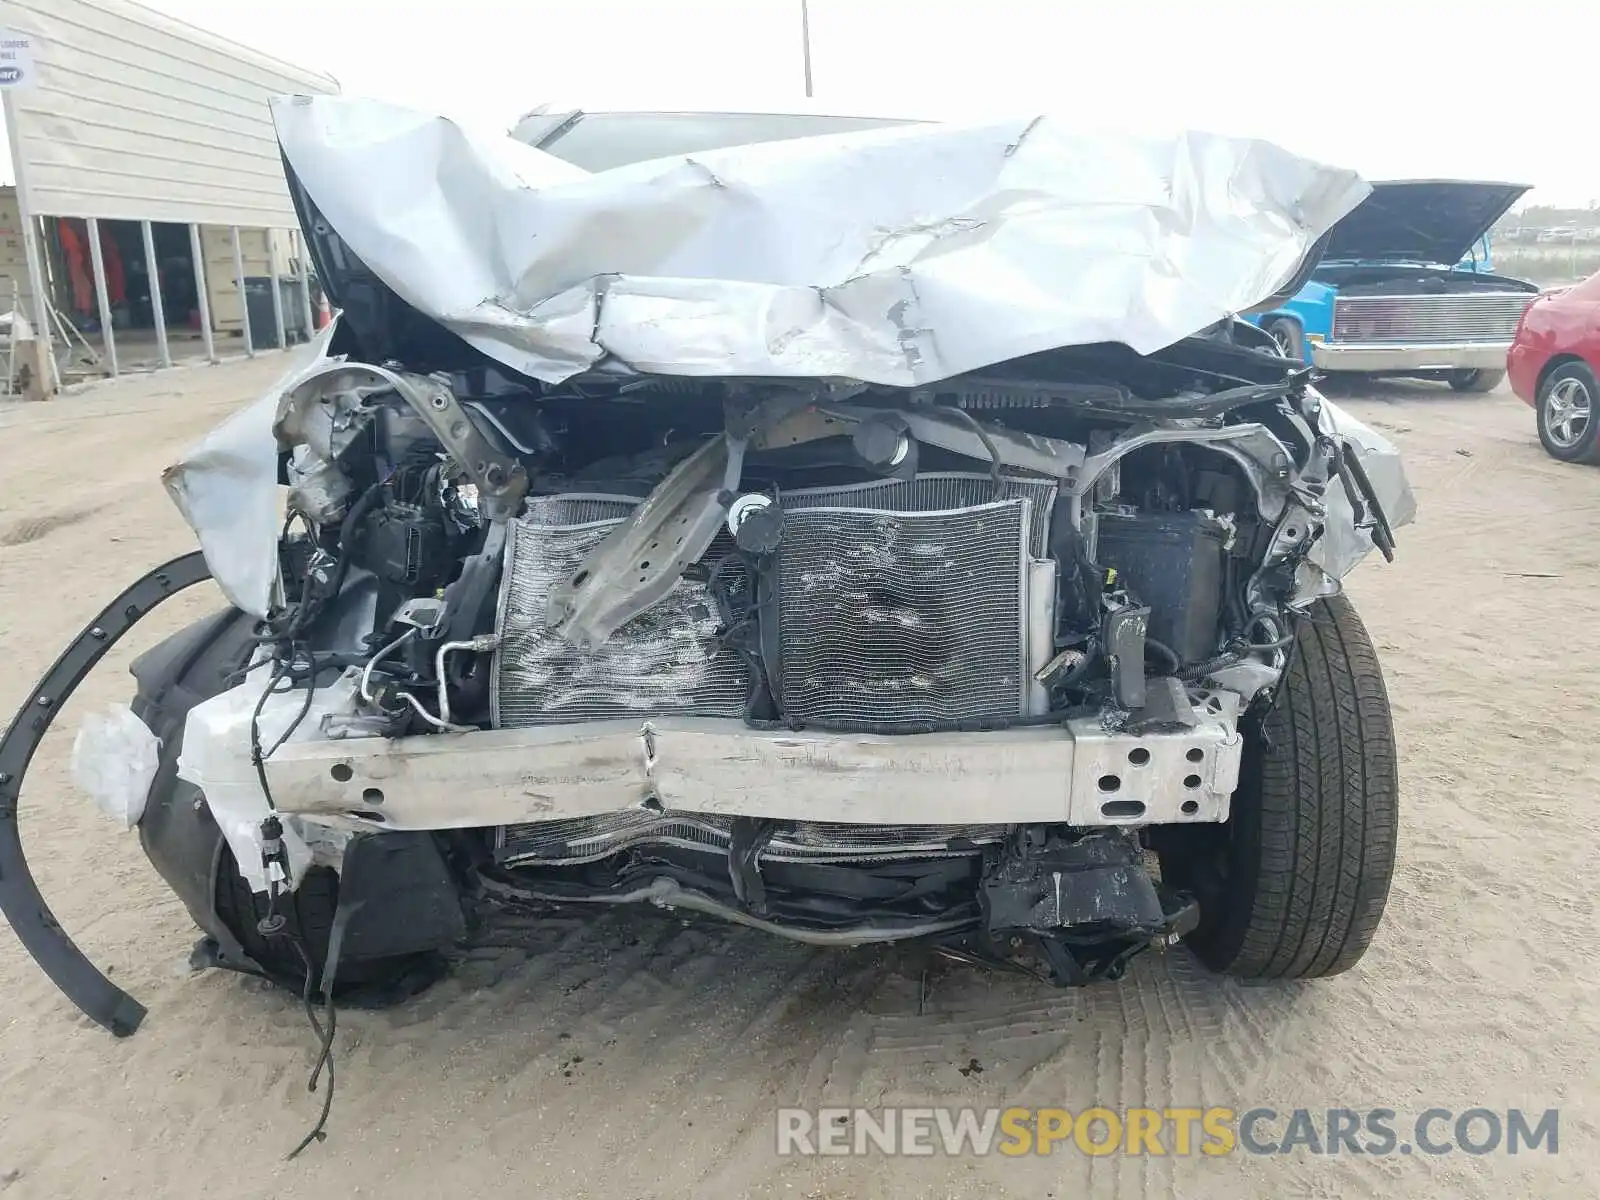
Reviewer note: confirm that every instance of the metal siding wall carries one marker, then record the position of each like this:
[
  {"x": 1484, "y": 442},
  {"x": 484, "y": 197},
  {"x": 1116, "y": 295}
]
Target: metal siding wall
[
  {"x": 13, "y": 270},
  {"x": 141, "y": 117}
]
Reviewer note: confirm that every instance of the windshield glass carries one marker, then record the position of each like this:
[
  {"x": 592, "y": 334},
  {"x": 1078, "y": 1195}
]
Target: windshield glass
[{"x": 600, "y": 141}]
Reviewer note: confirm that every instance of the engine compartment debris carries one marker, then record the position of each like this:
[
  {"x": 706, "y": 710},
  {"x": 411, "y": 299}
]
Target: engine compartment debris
[{"x": 876, "y": 536}]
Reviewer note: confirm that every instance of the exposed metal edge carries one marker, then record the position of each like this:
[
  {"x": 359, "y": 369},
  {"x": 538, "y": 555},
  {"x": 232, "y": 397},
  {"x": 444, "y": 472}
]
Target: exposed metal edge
[{"x": 25, "y": 909}]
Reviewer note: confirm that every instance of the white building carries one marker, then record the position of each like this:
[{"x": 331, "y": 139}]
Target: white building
[{"x": 137, "y": 139}]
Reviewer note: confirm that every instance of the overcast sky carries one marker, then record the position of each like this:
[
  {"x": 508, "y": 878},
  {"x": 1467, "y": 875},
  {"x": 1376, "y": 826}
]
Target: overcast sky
[{"x": 1393, "y": 88}]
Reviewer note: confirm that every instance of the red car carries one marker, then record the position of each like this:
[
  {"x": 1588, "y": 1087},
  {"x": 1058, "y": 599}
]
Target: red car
[{"x": 1553, "y": 363}]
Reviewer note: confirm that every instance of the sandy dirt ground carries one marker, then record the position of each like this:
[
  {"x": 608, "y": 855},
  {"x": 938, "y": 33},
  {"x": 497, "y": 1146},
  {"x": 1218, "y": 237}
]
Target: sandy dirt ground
[{"x": 638, "y": 1054}]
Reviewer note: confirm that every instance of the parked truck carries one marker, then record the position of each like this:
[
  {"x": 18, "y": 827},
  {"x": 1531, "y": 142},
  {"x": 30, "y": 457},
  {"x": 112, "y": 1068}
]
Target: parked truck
[{"x": 1406, "y": 288}]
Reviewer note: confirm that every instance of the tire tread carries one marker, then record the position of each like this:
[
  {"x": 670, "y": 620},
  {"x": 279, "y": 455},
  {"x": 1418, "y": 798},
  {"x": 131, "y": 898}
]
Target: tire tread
[{"x": 1312, "y": 853}]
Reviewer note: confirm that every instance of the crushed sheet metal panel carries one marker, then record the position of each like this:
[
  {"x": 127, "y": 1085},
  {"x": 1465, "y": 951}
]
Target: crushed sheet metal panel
[
  {"x": 898, "y": 256},
  {"x": 137, "y": 116},
  {"x": 226, "y": 487},
  {"x": 667, "y": 659},
  {"x": 1343, "y": 544}
]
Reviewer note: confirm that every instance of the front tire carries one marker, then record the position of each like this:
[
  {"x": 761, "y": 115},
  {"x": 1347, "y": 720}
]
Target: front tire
[
  {"x": 1294, "y": 885},
  {"x": 1566, "y": 409},
  {"x": 1291, "y": 340},
  {"x": 1475, "y": 381}
]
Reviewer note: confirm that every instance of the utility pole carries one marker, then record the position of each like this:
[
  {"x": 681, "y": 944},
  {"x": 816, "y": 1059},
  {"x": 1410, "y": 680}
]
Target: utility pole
[{"x": 805, "y": 42}]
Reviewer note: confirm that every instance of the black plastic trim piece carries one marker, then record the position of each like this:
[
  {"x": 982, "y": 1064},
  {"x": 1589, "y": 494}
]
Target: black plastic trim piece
[{"x": 25, "y": 909}]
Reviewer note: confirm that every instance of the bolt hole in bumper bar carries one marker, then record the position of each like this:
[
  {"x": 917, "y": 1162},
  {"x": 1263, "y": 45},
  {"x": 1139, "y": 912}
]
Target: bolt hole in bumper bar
[
  {"x": 1079, "y": 774},
  {"x": 24, "y": 908}
]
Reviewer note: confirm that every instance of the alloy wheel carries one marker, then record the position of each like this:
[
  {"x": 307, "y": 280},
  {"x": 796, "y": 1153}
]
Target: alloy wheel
[{"x": 1568, "y": 409}]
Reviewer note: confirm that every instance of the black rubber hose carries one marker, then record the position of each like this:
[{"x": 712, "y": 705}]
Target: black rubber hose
[
  {"x": 996, "y": 463},
  {"x": 349, "y": 532},
  {"x": 1162, "y": 650}
]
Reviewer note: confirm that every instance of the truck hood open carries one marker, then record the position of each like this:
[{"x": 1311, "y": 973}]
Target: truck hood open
[
  {"x": 1422, "y": 220},
  {"x": 898, "y": 256}
]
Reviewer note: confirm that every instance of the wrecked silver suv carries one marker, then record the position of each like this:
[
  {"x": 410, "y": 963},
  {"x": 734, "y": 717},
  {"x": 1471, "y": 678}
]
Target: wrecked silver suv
[{"x": 878, "y": 535}]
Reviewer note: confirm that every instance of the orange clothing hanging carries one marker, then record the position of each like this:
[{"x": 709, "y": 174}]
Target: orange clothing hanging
[{"x": 74, "y": 247}]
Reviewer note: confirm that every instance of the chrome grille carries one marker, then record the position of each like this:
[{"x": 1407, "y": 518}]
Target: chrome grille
[
  {"x": 1481, "y": 317},
  {"x": 894, "y": 620},
  {"x": 577, "y": 840}
]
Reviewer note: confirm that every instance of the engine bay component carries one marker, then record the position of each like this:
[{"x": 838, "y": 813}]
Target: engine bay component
[
  {"x": 578, "y": 840},
  {"x": 323, "y": 410},
  {"x": 884, "y": 446},
  {"x": 1174, "y": 562},
  {"x": 642, "y": 558},
  {"x": 1087, "y": 899},
  {"x": 734, "y": 545},
  {"x": 895, "y": 622},
  {"x": 1123, "y": 636},
  {"x": 1088, "y": 883},
  {"x": 408, "y": 546},
  {"x": 668, "y": 659},
  {"x": 743, "y": 507}
]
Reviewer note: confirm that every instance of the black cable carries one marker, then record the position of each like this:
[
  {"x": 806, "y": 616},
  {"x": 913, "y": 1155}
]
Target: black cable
[
  {"x": 1165, "y": 651},
  {"x": 324, "y": 1034},
  {"x": 237, "y": 677},
  {"x": 305, "y": 706},
  {"x": 1269, "y": 622},
  {"x": 258, "y": 757},
  {"x": 995, "y": 464},
  {"x": 1200, "y": 670},
  {"x": 348, "y": 530},
  {"x": 273, "y": 925},
  {"x": 279, "y": 670},
  {"x": 1286, "y": 640},
  {"x": 1234, "y": 654},
  {"x": 349, "y": 533}
]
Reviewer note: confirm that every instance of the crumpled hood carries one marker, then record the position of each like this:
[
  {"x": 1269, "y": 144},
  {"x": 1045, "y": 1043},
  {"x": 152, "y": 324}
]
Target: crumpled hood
[
  {"x": 1422, "y": 220},
  {"x": 899, "y": 256}
]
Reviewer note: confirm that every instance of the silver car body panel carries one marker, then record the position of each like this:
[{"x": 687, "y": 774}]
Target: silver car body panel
[{"x": 898, "y": 256}]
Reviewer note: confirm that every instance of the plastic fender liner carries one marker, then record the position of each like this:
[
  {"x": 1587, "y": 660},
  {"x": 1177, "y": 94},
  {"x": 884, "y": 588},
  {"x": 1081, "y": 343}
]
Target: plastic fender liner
[{"x": 29, "y": 916}]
